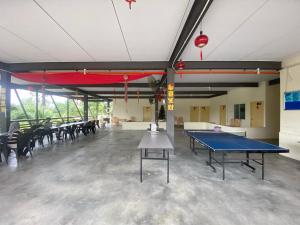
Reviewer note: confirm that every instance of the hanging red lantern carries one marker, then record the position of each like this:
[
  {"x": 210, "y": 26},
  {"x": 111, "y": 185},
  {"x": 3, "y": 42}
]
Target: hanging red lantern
[
  {"x": 126, "y": 89},
  {"x": 180, "y": 66},
  {"x": 130, "y": 2},
  {"x": 200, "y": 42}
]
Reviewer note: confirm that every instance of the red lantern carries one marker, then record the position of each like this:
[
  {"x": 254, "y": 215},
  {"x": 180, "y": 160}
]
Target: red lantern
[
  {"x": 130, "y": 2},
  {"x": 200, "y": 42},
  {"x": 180, "y": 66},
  {"x": 126, "y": 88}
]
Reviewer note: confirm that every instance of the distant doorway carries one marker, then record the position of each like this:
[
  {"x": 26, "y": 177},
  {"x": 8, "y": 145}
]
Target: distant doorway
[
  {"x": 257, "y": 114},
  {"x": 147, "y": 114},
  {"x": 194, "y": 113},
  {"x": 204, "y": 114},
  {"x": 223, "y": 115}
]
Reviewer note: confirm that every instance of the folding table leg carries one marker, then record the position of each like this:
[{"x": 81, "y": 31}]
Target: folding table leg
[
  {"x": 223, "y": 164},
  {"x": 194, "y": 146},
  {"x": 209, "y": 162},
  {"x": 168, "y": 169},
  {"x": 262, "y": 166},
  {"x": 141, "y": 166}
]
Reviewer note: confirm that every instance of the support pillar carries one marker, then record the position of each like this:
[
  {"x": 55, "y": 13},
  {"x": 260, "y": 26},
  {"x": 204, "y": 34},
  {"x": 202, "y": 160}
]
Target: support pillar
[
  {"x": 170, "y": 104},
  {"x": 85, "y": 108},
  {"x": 97, "y": 110},
  {"x": 156, "y": 109},
  {"x": 107, "y": 107},
  {"x": 68, "y": 111},
  {"x": 37, "y": 107},
  {"x": 5, "y": 101}
]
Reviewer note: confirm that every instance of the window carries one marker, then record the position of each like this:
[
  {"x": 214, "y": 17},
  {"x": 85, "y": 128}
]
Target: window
[{"x": 239, "y": 111}]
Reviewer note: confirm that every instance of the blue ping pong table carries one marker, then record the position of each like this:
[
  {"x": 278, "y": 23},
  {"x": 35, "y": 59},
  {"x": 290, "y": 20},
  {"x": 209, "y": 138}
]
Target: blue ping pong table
[{"x": 223, "y": 143}]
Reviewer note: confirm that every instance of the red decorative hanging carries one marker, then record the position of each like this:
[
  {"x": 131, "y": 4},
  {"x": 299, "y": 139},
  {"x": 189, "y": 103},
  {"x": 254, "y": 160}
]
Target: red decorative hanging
[
  {"x": 77, "y": 78},
  {"x": 200, "y": 42},
  {"x": 126, "y": 89},
  {"x": 138, "y": 95},
  {"x": 180, "y": 66},
  {"x": 130, "y": 2}
]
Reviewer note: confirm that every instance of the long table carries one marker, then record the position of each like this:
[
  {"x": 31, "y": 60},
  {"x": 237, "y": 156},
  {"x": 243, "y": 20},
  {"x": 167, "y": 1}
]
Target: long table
[
  {"x": 225, "y": 143},
  {"x": 158, "y": 143},
  {"x": 68, "y": 125}
]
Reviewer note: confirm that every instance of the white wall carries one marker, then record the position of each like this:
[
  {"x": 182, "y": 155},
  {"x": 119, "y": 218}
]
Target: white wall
[
  {"x": 245, "y": 96},
  {"x": 182, "y": 106},
  {"x": 268, "y": 94},
  {"x": 237, "y": 96},
  {"x": 133, "y": 108},
  {"x": 215, "y": 108},
  {"x": 289, "y": 135}
]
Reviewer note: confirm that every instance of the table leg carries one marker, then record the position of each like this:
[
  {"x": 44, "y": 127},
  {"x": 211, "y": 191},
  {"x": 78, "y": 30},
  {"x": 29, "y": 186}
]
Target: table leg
[
  {"x": 223, "y": 164},
  {"x": 168, "y": 166},
  {"x": 209, "y": 162},
  {"x": 247, "y": 155},
  {"x": 141, "y": 166},
  {"x": 194, "y": 145},
  {"x": 146, "y": 152},
  {"x": 164, "y": 153},
  {"x": 262, "y": 166}
]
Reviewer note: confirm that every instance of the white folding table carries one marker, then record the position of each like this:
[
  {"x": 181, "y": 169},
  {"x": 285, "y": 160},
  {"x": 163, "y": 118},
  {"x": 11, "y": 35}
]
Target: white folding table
[{"x": 159, "y": 142}]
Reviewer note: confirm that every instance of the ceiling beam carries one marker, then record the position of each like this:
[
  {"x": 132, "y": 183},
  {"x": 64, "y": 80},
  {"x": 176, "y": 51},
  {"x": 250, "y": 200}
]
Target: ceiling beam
[
  {"x": 152, "y": 96},
  {"x": 85, "y": 92},
  {"x": 138, "y": 85},
  {"x": 193, "y": 20},
  {"x": 219, "y": 84},
  {"x": 3, "y": 66},
  {"x": 233, "y": 65},
  {"x": 139, "y": 65},
  {"x": 147, "y": 65},
  {"x": 142, "y": 93}
]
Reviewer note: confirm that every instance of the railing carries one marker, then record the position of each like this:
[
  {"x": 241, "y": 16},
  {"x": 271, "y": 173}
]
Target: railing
[{"x": 26, "y": 124}]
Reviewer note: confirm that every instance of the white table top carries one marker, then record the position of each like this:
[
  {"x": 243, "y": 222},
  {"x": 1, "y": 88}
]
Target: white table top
[{"x": 156, "y": 141}]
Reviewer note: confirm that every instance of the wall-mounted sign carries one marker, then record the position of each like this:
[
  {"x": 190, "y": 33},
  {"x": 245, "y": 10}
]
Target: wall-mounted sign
[
  {"x": 2, "y": 99},
  {"x": 170, "y": 96},
  {"x": 292, "y": 100}
]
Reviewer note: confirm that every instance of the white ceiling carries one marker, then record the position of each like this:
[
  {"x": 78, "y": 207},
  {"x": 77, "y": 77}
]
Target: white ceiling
[
  {"x": 77, "y": 30},
  {"x": 249, "y": 30}
]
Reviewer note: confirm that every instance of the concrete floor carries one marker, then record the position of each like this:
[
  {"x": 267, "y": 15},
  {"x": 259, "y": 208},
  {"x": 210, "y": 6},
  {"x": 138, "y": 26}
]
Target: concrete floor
[{"x": 95, "y": 180}]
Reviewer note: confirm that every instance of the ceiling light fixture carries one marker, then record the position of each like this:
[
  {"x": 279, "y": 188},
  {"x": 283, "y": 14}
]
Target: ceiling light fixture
[{"x": 258, "y": 71}]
